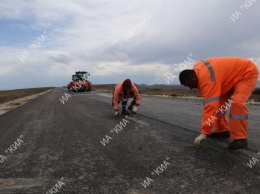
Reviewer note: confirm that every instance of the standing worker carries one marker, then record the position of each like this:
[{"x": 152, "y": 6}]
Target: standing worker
[
  {"x": 223, "y": 80},
  {"x": 121, "y": 93}
]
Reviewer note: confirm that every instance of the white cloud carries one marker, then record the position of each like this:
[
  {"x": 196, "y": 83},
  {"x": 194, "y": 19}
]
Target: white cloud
[{"x": 89, "y": 35}]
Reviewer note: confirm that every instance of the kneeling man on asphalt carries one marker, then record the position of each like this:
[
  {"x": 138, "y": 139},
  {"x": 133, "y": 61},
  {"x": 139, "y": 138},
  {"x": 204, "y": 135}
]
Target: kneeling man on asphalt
[
  {"x": 122, "y": 92},
  {"x": 223, "y": 81}
]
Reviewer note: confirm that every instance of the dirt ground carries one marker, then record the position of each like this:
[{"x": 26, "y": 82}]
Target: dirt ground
[
  {"x": 179, "y": 93},
  {"x": 14, "y": 98},
  {"x": 9, "y": 95}
]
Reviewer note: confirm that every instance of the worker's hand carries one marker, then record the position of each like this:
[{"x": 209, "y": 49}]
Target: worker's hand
[
  {"x": 116, "y": 113},
  {"x": 198, "y": 140},
  {"x": 134, "y": 109}
]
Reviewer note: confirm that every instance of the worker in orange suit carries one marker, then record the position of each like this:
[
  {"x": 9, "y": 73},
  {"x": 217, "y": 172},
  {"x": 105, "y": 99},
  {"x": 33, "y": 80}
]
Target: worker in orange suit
[
  {"x": 122, "y": 92},
  {"x": 223, "y": 81}
]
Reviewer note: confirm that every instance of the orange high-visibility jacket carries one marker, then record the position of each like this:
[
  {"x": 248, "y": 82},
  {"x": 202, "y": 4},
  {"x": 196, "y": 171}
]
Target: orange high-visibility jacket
[
  {"x": 216, "y": 77},
  {"x": 118, "y": 95}
]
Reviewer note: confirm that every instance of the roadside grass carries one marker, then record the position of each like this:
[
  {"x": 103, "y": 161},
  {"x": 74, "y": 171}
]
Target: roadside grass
[{"x": 9, "y": 95}]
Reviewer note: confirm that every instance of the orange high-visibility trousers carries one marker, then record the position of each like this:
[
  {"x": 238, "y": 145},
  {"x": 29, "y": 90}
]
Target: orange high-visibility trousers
[{"x": 238, "y": 117}]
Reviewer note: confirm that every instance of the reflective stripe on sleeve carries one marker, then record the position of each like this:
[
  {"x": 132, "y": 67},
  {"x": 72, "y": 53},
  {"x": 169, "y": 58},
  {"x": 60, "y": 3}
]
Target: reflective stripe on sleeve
[
  {"x": 241, "y": 117},
  {"x": 216, "y": 98}
]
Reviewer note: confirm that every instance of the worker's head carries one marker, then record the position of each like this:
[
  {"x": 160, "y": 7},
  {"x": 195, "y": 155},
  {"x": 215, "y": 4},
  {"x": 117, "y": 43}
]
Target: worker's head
[
  {"x": 127, "y": 85},
  {"x": 188, "y": 78}
]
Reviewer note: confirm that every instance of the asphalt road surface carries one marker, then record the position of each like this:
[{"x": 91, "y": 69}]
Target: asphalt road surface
[{"x": 78, "y": 146}]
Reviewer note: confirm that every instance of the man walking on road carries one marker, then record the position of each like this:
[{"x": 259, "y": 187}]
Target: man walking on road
[
  {"x": 121, "y": 93},
  {"x": 222, "y": 80}
]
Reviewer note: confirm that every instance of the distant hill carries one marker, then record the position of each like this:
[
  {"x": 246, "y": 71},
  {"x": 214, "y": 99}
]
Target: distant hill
[
  {"x": 143, "y": 87},
  {"x": 162, "y": 86}
]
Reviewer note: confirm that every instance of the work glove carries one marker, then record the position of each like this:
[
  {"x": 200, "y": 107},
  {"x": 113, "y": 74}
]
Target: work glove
[
  {"x": 116, "y": 113},
  {"x": 134, "y": 109},
  {"x": 198, "y": 140}
]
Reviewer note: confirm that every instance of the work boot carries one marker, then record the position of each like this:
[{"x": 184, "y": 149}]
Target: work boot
[
  {"x": 219, "y": 135},
  {"x": 125, "y": 112},
  {"x": 238, "y": 144},
  {"x": 130, "y": 108}
]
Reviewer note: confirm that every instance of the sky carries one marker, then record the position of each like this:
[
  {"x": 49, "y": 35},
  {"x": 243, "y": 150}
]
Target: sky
[{"x": 43, "y": 42}]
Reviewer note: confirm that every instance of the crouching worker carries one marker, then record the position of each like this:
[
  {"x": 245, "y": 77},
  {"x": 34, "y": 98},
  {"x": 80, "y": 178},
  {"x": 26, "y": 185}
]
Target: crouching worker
[
  {"x": 122, "y": 92},
  {"x": 223, "y": 82}
]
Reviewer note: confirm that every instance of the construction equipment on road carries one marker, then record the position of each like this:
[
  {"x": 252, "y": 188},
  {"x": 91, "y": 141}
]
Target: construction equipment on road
[{"x": 80, "y": 82}]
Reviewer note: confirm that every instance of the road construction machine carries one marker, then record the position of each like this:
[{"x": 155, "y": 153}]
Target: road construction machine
[{"x": 80, "y": 82}]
